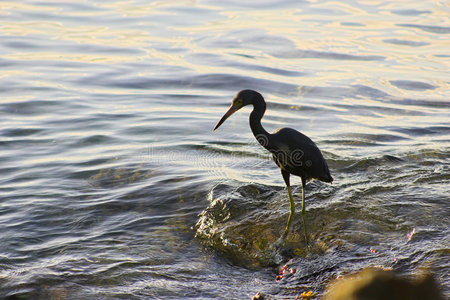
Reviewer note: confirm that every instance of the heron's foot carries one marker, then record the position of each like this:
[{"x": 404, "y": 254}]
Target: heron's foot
[
  {"x": 306, "y": 234},
  {"x": 280, "y": 242},
  {"x": 274, "y": 252},
  {"x": 285, "y": 233}
]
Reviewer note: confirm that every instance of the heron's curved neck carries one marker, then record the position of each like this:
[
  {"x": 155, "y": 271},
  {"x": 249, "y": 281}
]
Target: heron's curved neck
[{"x": 259, "y": 107}]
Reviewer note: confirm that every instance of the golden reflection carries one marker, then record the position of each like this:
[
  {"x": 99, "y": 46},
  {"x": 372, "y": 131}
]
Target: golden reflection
[
  {"x": 299, "y": 48},
  {"x": 6, "y": 7},
  {"x": 12, "y": 73},
  {"x": 88, "y": 58},
  {"x": 98, "y": 35},
  {"x": 129, "y": 9},
  {"x": 20, "y": 98},
  {"x": 341, "y": 5}
]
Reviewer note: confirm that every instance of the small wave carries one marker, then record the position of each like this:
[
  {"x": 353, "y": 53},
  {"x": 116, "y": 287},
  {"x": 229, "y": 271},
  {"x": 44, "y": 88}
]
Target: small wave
[
  {"x": 215, "y": 81},
  {"x": 364, "y": 164},
  {"x": 421, "y": 131},
  {"x": 428, "y": 28},
  {"x": 327, "y": 55},
  {"x": 219, "y": 60},
  {"x": 410, "y": 12},
  {"x": 405, "y": 42},
  {"x": 412, "y": 85},
  {"x": 19, "y": 132},
  {"x": 31, "y": 107}
]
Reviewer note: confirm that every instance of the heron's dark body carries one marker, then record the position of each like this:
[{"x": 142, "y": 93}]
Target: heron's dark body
[
  {"x": 297, "y": 154},
  {"x": 292, "y": 151}
]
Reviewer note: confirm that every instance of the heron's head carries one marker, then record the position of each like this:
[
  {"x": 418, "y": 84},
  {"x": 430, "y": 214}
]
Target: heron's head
[{"x": 243, "y": 98}]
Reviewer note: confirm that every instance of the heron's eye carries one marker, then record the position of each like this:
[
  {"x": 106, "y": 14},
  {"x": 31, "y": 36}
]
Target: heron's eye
[{"x": 238, "y": 102}]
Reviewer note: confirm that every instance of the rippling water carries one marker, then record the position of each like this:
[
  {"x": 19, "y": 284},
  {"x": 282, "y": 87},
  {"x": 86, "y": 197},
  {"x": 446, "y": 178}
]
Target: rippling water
[{"x": 114, "y": 186}]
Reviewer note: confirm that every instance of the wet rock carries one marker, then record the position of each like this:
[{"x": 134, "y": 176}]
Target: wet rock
[
  {"x": 377, "y": 284},
  {"x": 245, "y": 224},
  {"x": 239, "y": 223}
]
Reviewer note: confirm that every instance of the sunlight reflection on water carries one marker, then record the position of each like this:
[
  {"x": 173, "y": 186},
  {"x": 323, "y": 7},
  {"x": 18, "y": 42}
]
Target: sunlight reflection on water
[{"x": 108, "y": 156}]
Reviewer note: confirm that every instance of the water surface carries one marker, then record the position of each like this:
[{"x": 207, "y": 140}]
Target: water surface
[{"x": 114, "y": 186}]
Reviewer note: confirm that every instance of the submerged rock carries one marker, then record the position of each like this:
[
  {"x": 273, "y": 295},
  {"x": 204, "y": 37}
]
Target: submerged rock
[{"x": 244, "y": 223}]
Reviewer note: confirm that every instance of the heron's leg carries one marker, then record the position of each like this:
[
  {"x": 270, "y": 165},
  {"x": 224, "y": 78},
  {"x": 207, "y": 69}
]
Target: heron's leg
[
  {"x": 291, "y": 201},
  {"x": 303, "y": 211},
  {"x": 292, "y": 212}
]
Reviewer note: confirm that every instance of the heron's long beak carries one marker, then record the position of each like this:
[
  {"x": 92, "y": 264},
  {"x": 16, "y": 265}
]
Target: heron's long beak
[{"x": 230, "y": 111}]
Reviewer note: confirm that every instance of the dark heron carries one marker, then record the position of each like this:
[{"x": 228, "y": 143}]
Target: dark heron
[{"x": 292, "y": 151}]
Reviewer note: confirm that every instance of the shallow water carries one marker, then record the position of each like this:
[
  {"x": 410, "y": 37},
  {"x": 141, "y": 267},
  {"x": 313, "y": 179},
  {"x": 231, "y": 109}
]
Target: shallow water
[{"x": 114, "y": 186}]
